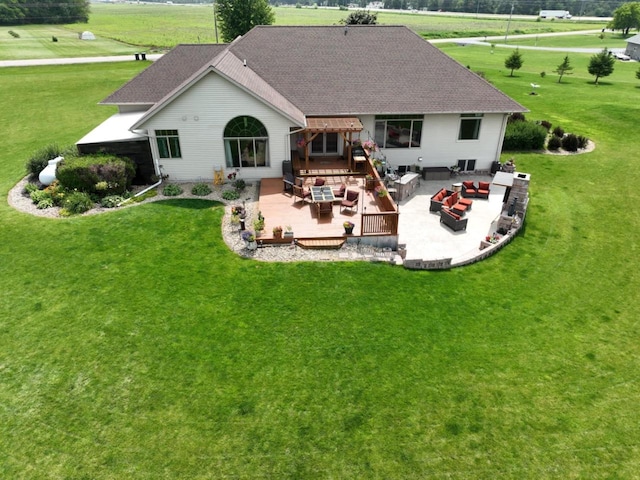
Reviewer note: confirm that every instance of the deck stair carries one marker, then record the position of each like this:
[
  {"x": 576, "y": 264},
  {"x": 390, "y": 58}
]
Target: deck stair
[{"x": 321, "y": 243}]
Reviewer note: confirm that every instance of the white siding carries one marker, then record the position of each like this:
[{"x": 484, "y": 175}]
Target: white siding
[
  {"x": 200, "y": 115},
  {"x": 440, "y": 146}
]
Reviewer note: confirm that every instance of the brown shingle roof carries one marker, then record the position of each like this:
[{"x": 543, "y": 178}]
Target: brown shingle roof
[
  {"x": 163, "y": 76},
  {"x": 332, "y": 70}
]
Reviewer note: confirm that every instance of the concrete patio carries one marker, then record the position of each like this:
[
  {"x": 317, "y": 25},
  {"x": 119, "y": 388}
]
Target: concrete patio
[{"x": 427, "y": 239}]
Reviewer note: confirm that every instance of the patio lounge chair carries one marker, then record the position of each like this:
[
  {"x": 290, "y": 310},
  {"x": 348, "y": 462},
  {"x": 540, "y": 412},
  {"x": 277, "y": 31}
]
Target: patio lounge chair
[
  {"x": 438, "y": 199},
  {"x": 483, "y": 190},
  {"x": 350, "y": 201},
  {"x": 339, "y": 192},
  {"x": 452, "y": 220},
  {"x": 468, "y": 189}
]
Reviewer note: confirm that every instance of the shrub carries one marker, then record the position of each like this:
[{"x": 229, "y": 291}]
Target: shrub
[
  {"x": 111, "y": 201},
  {"x": 30, "y": 187},
  {"x": 101, "y": 174},
  {"x": 38, "y": 195},
  {"x": 76, "y": 203},
  {"x": 570, "y": 142},
  {"x": 239, "y": 184},
  {"x": 57, "y": 193},
  {"x": 583, "y": 142},
  {"x": 558, "y": 132},
  {"x": 172, "y": 190},
  {"x": 524, "y": 136},
  {"x": 201, "y": 189},
  {"x": 41, "y": 158},
  {"x": 543, "y": 74},
  {"x": 54, "y": 39},
  {"x": 45, "y": 203},
  {"x": 554, "y": 143},
  {"x": 230, "y": 194},
  {"x": 14, "y": 34},
  {"x": 546, "y": 124},
  {"x": 516, "y": 117}
]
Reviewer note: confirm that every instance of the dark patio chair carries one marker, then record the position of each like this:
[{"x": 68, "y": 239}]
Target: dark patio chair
[
  {"x": 324, "y": 208},
  {"x": 350, "y": 201},
  {"x": 339, "y": 192},
  {"x": 300, "y": 193}
]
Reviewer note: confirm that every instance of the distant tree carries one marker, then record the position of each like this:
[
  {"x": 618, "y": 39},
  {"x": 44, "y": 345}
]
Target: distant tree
[
  {"x": 638, "y": 73},
  {"x": 601, "y": 64},
  {"x": 23, "y": 12},
  {"x": 564, "y": 68},
  {"x": 514, "y": 61},
  {"x": 360, "y": 17},
  {"x": 11, "y": 12},
  {"x": 626, "y": 17},
  {"x": 237, "y": 17}
]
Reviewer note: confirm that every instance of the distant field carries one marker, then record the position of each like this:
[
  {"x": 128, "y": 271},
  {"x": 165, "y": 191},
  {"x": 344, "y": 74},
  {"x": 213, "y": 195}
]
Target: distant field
[
  {"x": 36, "y": 41},
  {"x": 163, "y": 26}
]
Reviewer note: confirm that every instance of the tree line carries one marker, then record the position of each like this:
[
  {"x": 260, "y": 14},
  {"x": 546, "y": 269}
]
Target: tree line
[{"x": 25, "y": 12}]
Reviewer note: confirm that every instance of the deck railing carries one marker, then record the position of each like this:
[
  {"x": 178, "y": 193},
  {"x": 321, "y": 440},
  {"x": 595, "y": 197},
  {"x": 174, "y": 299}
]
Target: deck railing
[{"x": 384, "y": 222}]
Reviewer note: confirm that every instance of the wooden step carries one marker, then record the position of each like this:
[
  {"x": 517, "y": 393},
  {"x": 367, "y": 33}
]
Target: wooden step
[{"x": 321, "y": 243}]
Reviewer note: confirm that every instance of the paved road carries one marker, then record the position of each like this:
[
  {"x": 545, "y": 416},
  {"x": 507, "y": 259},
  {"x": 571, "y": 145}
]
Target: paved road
[
  {"x": 462, "y": 41},
  {"x": 493, "y": 40},
  {"x": 70, "y": 61}
]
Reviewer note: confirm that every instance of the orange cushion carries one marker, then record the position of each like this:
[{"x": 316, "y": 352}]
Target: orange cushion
[
  {"x": 483, "y": 185},
  {"x": 453, "y": 214},
  {"x": 439, "y": 196},
  {"x": 468, "y": 185}
]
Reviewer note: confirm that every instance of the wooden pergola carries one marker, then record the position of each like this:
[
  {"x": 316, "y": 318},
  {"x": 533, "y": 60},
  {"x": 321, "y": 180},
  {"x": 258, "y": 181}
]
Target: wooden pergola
[{"x": 345, "y": 126}]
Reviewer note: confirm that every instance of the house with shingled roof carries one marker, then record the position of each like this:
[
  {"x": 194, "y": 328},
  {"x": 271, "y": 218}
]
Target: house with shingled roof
[{"x": 247, "y": 106}]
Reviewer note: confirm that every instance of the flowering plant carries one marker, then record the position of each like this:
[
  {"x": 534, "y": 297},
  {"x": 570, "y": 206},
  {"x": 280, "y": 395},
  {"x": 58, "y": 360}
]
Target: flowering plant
[
  {"x": 493, "y": 238},
  {"x": 301, "y": 143},
  {"x": 248, "y": 236},
  {"x": 232, "y": 176},
  {"x": 380, "y": 191},
  {"x": 348, "y": 224},
  {"x": 370, "y": 145}
]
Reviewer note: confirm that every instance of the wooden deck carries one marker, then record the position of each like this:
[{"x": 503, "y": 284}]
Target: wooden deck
[{"x": 282, "y": 208}]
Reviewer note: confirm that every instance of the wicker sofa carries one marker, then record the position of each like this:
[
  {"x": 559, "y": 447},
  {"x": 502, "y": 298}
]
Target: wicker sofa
[
  {"x": 438, "y": 199},
  {"x": 452, "y": 220}
]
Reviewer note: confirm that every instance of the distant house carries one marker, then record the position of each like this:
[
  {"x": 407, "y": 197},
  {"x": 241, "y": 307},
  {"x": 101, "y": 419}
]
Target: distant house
[
  {"x": 633, "y": 47},
  {"x": 246, "y": 105}
]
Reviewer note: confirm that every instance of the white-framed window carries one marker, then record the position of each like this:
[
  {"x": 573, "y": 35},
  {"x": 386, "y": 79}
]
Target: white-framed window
[
  {"x": 246, "y": 143},
  {"x": 399, "y": 131},
  {"x": 470, "y": 126},
  {"x": 168, "y": 143}
]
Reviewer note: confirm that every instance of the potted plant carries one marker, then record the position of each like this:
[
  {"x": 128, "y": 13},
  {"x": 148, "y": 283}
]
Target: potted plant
[
  {"x": 258, "y": 223},
  {"x": 249, "y": 240},
  {"x": 348, "y": 227},
  {"x": 381, "y": 191},
  {"x": 288, "y": 231},
  {"x": 370, "y": 182},
  {"x": 277, "y": 231}
]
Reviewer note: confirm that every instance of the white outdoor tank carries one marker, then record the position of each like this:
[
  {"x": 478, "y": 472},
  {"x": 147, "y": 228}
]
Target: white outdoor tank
[{"x": 48, "y": 174}]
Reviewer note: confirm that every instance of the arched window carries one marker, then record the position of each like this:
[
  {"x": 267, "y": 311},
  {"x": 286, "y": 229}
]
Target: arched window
[{"x": 246, "y": 143}]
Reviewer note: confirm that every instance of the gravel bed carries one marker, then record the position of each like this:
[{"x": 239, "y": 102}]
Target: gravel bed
[{"x": 230, "y": 233}]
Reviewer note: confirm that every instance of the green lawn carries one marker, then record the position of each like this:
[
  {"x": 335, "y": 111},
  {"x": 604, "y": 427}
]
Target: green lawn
[
  {"x": 36, "y": 41},
  {"x": 135, "y": 345}
]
